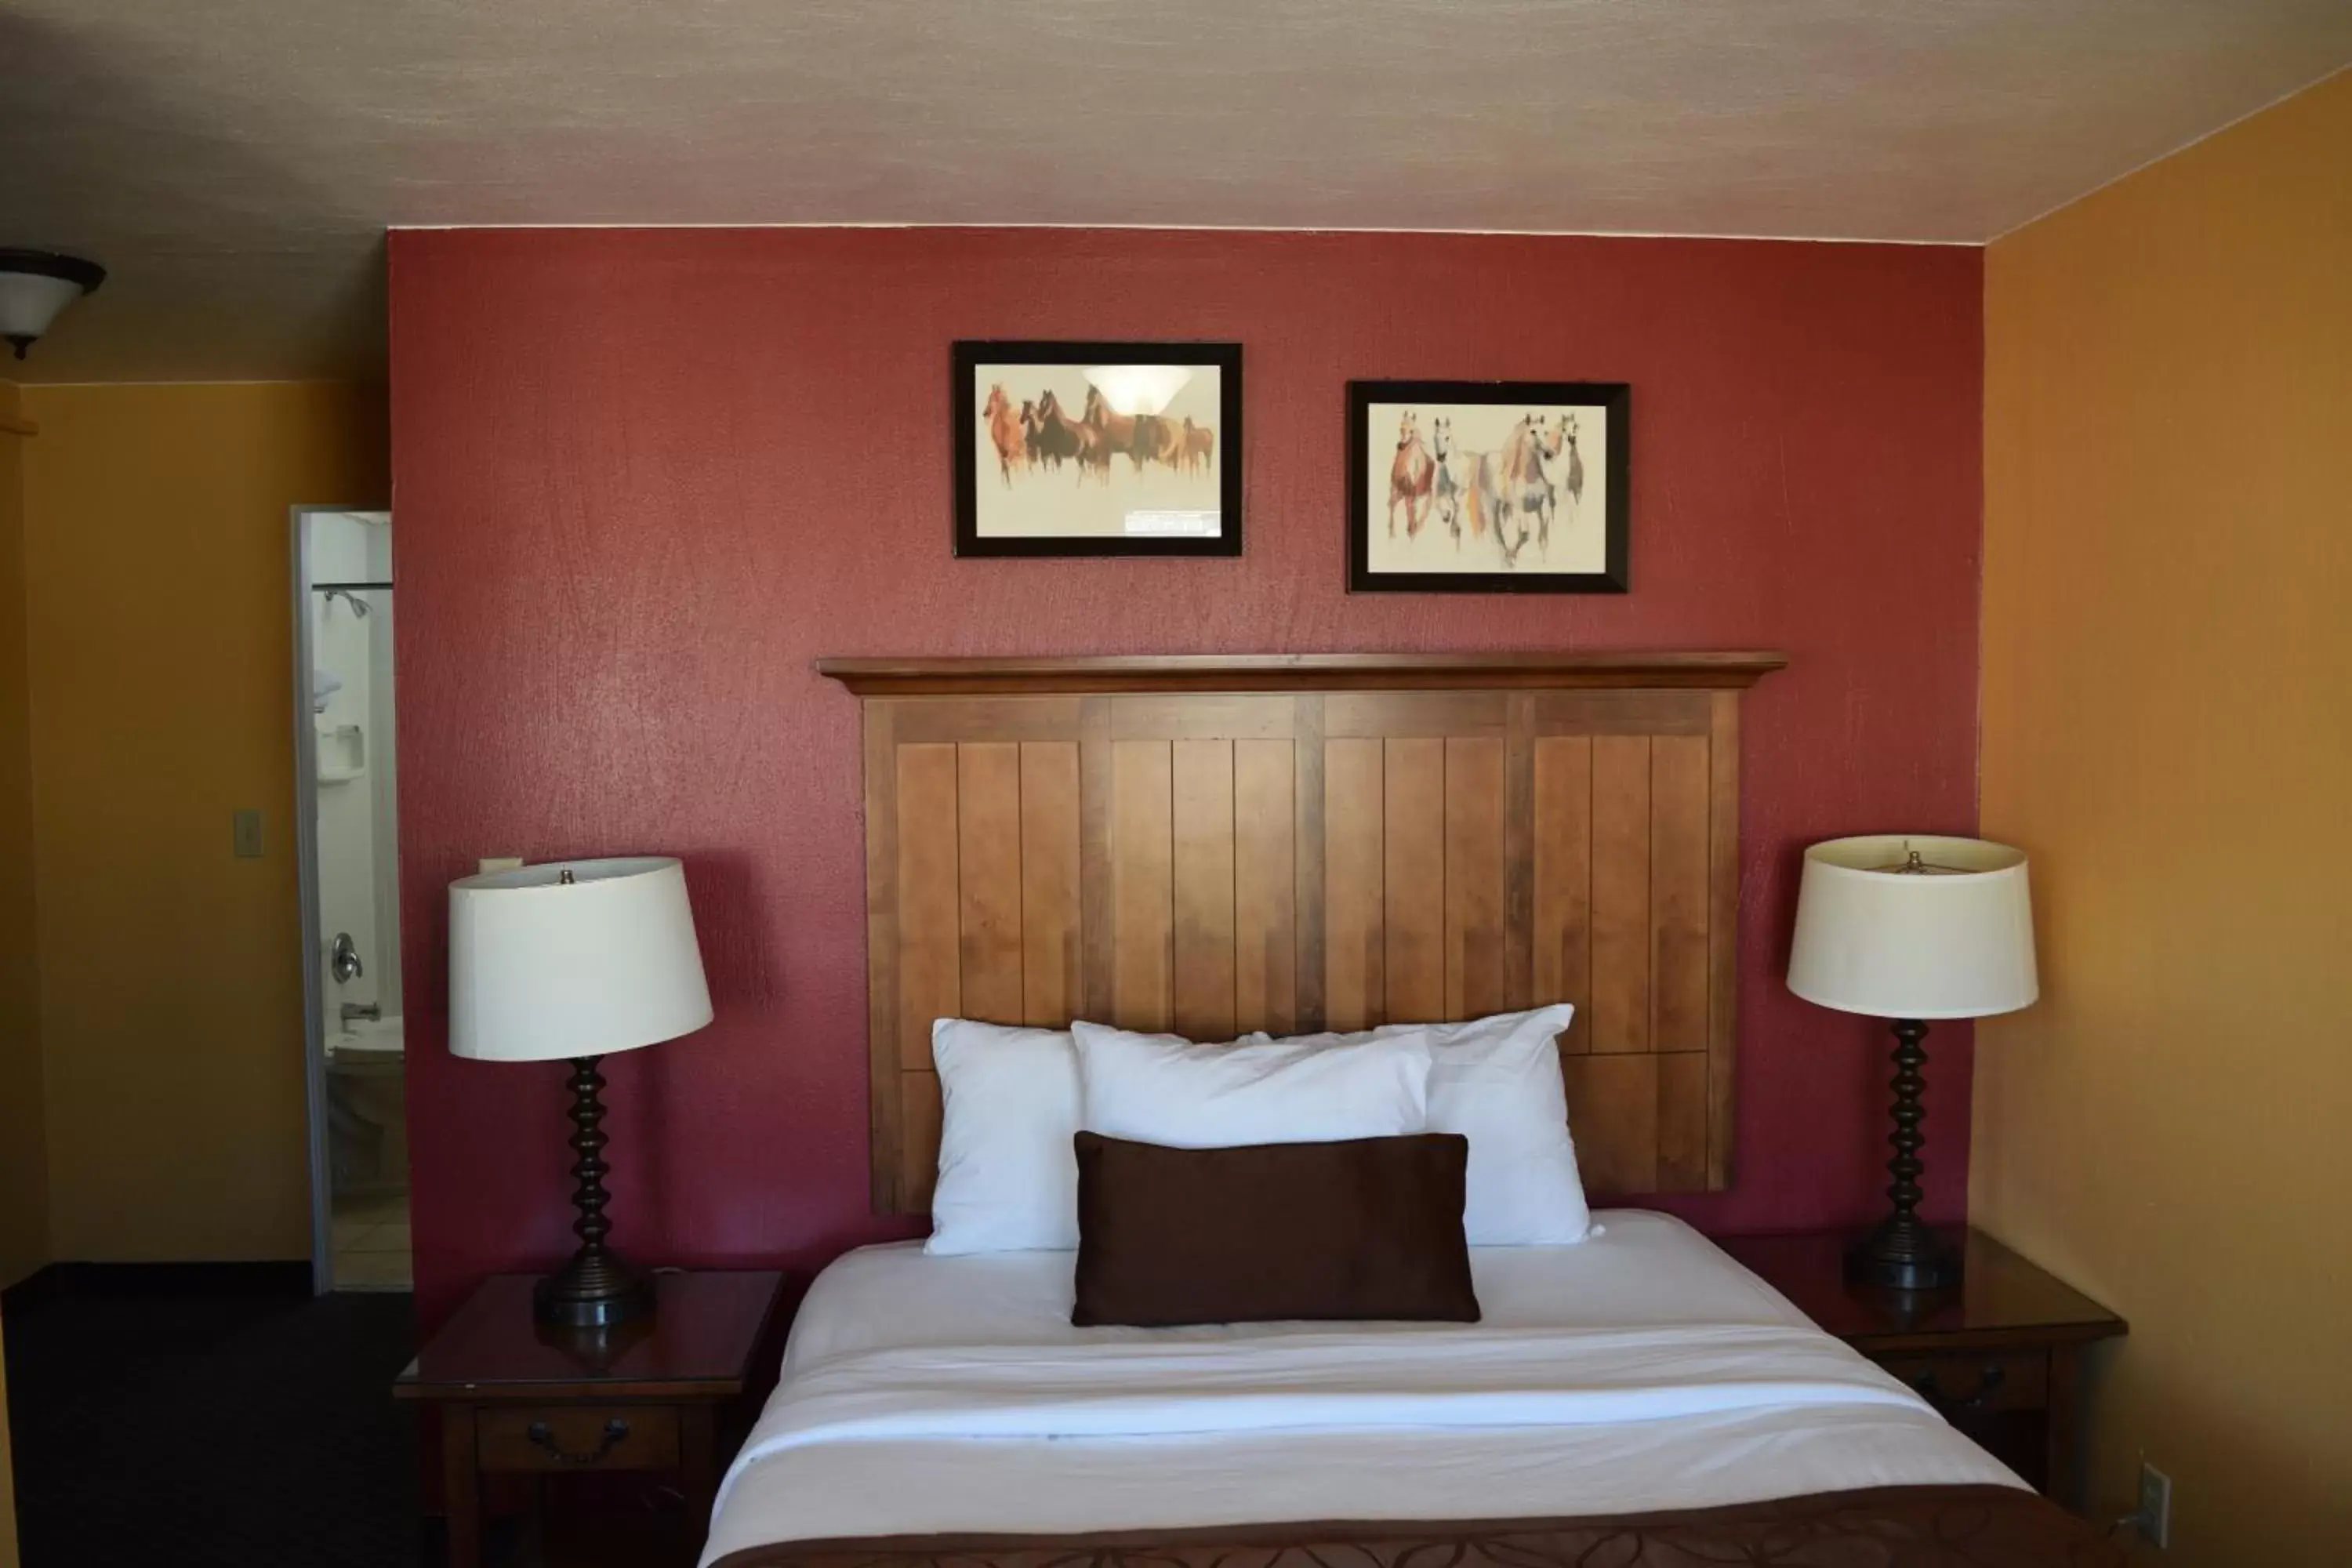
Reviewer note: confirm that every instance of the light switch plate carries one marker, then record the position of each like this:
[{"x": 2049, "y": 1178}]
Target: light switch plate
[
  {"x": 247, "y": 835},
  {"x": 2155, "y": 1519},
  {"x": 489, "y": 863}
]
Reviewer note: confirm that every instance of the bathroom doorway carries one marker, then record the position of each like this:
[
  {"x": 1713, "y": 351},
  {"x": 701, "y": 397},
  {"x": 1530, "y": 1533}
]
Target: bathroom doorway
[{"x": 348, "y": 845}]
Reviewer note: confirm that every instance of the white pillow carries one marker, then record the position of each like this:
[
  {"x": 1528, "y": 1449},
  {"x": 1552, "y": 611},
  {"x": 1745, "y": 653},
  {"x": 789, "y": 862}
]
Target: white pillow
[
  {"x": 1497, "y": 1081},
  {"x": 1157, "y": 1089},
  {"x": 1008, "y": 1175}
]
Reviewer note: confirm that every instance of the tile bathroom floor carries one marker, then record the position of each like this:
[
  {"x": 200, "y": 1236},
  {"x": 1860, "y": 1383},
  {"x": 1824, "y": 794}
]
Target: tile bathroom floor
[{"x": 369, "y": 1239}]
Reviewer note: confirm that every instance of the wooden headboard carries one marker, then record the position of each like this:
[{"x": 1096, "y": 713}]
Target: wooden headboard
[{"x": 1213, "y": 844}]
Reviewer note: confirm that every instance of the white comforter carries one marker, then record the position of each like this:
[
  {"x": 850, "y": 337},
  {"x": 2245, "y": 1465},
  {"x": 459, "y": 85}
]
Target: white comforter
[{"x": 1641, "y": 1370}]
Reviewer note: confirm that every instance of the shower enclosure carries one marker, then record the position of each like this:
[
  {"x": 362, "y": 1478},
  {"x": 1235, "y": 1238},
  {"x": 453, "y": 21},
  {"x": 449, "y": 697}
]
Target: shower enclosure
[{"x": 348, "y": 848}]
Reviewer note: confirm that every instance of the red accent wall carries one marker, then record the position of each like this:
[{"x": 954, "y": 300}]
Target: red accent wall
[{"x": 644, "y": 478}]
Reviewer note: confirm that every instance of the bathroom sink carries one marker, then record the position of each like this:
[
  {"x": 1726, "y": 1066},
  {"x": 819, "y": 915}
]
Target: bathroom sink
[{"x": 366, "y": 1039}]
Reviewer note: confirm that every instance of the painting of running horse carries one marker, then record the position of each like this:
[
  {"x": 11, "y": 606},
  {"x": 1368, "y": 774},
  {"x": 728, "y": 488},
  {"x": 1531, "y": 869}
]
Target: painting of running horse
[
  {"x": 1488, "y": 486},
  {"x": 1090, "y": 448}
]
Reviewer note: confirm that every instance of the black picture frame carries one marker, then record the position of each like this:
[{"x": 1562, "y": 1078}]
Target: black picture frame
[
  {"x": 1616, "y": 398},
  {"x": 964, "y": 391}
]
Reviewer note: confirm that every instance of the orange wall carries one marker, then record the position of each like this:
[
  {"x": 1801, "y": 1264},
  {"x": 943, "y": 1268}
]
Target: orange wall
[
  {"x": 24, "y": 1219},
  {"x": 24, "y": 1190},
  {"x": 2167, "y": 730},
  {"x": 160, "y": 633}
]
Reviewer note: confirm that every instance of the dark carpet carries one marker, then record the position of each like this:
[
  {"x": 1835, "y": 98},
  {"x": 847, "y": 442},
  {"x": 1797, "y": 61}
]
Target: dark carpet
[{"x": 193, "y": 1431}]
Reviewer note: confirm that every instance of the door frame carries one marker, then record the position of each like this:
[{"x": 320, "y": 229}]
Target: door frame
[{"x": 306, "y": 871}]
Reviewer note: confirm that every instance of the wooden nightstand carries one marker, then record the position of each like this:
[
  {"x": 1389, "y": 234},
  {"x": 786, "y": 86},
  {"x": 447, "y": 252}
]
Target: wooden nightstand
[
  {"x": 2000, "y": 1357},
  {"x": 649, "y": 1395}
]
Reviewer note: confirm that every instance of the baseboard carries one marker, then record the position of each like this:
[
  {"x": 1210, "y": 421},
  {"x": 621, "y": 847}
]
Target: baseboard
[{"x": 61, "y": 1281}]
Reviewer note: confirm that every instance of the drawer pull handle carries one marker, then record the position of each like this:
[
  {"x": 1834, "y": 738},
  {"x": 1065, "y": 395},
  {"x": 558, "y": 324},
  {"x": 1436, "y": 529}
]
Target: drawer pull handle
[
  {"x": 1988, "y": 1382},
  {"x": 616, "y": 1431}
]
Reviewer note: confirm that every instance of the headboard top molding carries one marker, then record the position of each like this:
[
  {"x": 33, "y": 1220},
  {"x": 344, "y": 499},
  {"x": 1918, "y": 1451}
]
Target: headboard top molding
[{"x": 1298, "y": 672}]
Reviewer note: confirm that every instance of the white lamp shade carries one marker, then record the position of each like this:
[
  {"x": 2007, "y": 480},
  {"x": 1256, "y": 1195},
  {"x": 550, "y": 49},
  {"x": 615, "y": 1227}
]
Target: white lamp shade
[
  {"x": 1951, "y": 938},
  {"x": 542, "y": 969}
]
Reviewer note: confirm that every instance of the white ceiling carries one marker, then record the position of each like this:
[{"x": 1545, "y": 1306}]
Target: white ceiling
[{"x": 235, "y": 163}]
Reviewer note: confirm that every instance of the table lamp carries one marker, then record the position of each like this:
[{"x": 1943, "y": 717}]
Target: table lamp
[
  {"x": 575, "y": 959},
  {"x": 1910, "y": 927}
]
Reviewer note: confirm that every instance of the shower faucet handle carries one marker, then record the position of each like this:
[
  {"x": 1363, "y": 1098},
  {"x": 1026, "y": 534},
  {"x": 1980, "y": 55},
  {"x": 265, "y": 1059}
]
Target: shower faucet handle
[{"x": 343, "y": 958}]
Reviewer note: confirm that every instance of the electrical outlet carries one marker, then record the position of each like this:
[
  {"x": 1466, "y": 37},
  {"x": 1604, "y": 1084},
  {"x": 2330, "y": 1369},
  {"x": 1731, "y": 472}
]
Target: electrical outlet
[
  {"x": 489, "y": 863},
  {"x": 246, "y": 835},
  {"x": 2155, "y": 1517}
]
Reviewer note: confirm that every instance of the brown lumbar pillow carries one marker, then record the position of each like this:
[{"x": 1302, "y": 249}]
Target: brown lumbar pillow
[{"x": 1365, "y": 1228}]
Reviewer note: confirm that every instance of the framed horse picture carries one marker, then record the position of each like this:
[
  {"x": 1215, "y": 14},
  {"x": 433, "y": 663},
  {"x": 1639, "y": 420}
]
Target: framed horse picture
[
  {"x": 1488, "y": 486},
  {"x": 1084, "y": 448}
]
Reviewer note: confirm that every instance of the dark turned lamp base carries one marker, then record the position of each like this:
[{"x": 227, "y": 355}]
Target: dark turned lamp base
[
  {"x": 1904, "y": 1256},
  {"x": 599, "y": 1288},
  {"x": 593, "y": 1293},
  {"x": 1905, "y": 1253}
]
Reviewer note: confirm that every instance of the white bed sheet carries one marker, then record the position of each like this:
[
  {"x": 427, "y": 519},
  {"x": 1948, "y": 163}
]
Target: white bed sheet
[{"x": 1641, "y": 1369}]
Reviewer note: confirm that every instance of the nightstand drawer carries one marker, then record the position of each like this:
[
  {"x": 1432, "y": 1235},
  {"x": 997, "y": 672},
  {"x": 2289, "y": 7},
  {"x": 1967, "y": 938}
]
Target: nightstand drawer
[
  {"x": 1958, "y": 1383},
  {"x": 578, "y": 1437}
]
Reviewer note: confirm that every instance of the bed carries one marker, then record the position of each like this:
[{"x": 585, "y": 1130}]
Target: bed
[
  {"x": 1218, "y": 844},
  {"x": 1638, "y": 1386}
]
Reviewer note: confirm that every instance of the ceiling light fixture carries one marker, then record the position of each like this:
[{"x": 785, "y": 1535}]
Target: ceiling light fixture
[{"x": 35, "y": 285}]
